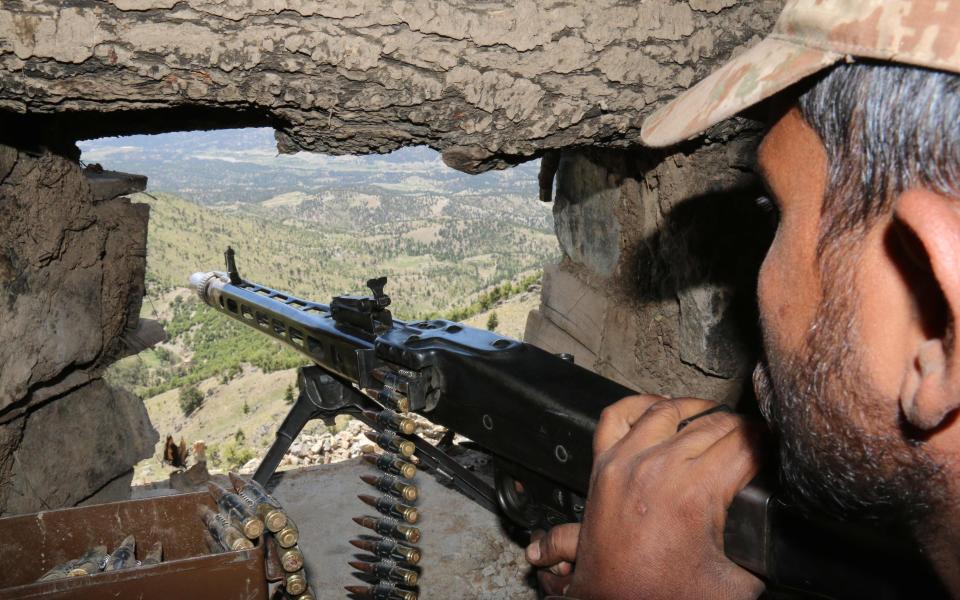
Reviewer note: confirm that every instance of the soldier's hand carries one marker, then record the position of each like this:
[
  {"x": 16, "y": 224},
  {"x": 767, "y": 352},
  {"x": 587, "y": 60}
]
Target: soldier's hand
[
  {"x": 657, "y": 505},
  {"x": 553, "y": 553}
]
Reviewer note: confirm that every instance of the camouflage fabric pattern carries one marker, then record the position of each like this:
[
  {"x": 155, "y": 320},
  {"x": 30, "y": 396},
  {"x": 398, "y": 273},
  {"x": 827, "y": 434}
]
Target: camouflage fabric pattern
[{"x": 809, "y": 36}]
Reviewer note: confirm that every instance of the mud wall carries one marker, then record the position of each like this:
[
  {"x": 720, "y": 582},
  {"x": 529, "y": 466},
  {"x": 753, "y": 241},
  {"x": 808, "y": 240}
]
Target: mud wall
[{"x": 660, "y": 256}]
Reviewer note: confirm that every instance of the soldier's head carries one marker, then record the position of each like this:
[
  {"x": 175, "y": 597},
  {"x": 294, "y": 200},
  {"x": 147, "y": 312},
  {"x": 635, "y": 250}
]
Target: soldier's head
[{"x": 859, "y": 293}]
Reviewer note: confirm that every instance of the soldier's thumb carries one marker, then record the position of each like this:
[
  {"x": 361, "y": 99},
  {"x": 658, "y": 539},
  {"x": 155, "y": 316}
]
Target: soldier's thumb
[{"x": 557, "y": 545}]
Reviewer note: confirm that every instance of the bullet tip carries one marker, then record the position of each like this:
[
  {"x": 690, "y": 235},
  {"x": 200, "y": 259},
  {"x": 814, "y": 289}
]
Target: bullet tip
[
  {"x": 237, "y": 481},
  {"x": 369, "y": 479},
  {"x": 362, "y": 544}
]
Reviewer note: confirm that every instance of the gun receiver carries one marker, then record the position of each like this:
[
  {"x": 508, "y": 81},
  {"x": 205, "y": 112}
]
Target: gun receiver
[{"x": 535, "y": 413}]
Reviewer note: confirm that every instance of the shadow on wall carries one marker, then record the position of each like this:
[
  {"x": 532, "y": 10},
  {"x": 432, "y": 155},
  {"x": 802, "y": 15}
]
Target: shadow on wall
[
  {"x": 706, "y": 255},
  {"x": 675, "y": 240}
]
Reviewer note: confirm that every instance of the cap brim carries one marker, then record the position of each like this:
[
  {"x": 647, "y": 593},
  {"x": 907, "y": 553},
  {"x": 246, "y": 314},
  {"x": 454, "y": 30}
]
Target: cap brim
[{"x": 760, "y": 72}]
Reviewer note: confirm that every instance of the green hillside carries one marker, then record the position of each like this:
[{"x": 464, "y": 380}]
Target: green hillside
[{"x": 438, "y": 253}]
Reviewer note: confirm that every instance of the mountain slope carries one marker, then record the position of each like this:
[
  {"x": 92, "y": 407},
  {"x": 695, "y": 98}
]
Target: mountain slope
[{"x": 435, "y": 262}]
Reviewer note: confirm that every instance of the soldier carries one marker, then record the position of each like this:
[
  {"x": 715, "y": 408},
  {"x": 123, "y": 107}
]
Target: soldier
[{"x": 859, "y": 299}]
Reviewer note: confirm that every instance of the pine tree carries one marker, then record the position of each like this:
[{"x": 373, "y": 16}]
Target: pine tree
[{"x": 190, "y": 399}]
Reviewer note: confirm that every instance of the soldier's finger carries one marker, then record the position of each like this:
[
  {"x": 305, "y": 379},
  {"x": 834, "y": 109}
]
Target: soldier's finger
[
  {"x": 553, "y": 584},
  {"x": 617, "y": 419},
  {"x": 697, "y": 437},
  {"x": 557, "y": 545},
  {"x": 659, "y": 423},
  {"x": 734, "y": 460}
]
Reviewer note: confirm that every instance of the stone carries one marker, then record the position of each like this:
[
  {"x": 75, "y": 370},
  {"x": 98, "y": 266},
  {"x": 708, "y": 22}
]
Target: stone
[
  {"x": 574, "y": 306},
  {"x": 106, "y": 185},
  {"x": 79, "y": 277},
  {"x": 116, "y": 490},
  {"x": 72, "y": 261},
  {"x": 77, "y": 445},
  {"x": 544, "y": 333},
  {"x": 664, "y": 302}
]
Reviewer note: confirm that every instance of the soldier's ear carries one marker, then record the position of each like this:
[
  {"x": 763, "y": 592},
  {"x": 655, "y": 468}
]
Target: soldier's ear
[{"x": 928, "y": 229}]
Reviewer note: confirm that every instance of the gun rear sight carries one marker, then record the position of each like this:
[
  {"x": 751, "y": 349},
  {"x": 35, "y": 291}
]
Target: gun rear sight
[
  {"x": 376, "y": 285},
  {"x": 364, "y": 312}
]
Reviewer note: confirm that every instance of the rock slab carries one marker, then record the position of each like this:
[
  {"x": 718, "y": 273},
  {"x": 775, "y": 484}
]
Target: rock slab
[
  {"x": 489, "y": 84},
  {"x": 72, "y": 259}
]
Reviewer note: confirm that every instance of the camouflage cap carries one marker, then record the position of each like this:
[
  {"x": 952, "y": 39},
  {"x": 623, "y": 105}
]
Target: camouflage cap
[{"x": 809, "y": 36}]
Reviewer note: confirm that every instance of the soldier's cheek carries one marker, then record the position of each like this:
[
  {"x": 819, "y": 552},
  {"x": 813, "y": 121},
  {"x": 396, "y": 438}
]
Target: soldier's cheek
[
  {"x": 769, "y": 285},
  {"x": 794, "y": 165},
  {"x": 782, "y": 294}
]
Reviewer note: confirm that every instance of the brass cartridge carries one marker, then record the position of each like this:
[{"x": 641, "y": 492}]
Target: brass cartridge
[
  {"x": 85, "y": 565},
  {"x": 289, "y": 535},
  {"x": 391, "y": 507},
  {"x": 393, "y": 421},
  {"x": 381, "y": 591},
  {"x": 291, "y": 559},
  {"x": 123, "y": 556},
  {"x": 154, "y": 556},
  {"x": 265, "y": 507},
  {"x": 296, "y": 583},
  {"x": 237, "y": 511},
  {"x": 390, "y": 528},
  {"x": 224, "y": 533},
  {"x": 393, "y": 486},
  {"x": 392, "y": 464},
  {"x": 388, "y": 396},
  {"x": 391, "y": 442},
  {"x": 212, "y": 544},
  {"x": 385, "y": 548},
  {"x": 388, "y": 570}
]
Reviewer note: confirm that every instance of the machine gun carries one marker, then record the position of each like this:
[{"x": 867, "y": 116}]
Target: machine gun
[{"x": 535, "y": 414}]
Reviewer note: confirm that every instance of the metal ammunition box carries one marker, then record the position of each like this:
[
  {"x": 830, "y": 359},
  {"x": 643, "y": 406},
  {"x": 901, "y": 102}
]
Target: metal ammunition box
[{"x": 35, "y": 543}]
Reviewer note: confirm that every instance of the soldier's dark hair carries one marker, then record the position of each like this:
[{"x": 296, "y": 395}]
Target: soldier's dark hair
[{"x": 886, "y": 128}]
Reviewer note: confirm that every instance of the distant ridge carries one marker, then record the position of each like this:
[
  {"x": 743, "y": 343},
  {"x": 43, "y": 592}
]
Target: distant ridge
[{"x": 242, "y": 165}]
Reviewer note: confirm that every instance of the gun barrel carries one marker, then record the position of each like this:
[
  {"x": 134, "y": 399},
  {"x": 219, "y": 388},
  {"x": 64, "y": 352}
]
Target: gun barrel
[{"x": 305, "y": 326}]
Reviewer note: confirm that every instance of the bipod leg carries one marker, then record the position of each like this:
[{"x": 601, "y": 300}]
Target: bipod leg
[{"x": 321, "y": 396}]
